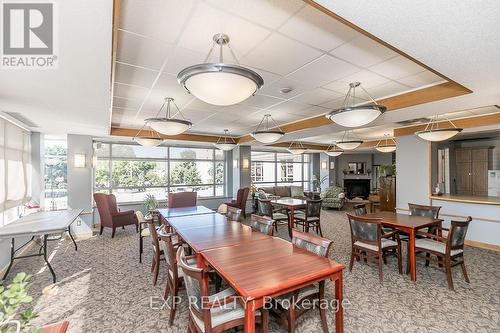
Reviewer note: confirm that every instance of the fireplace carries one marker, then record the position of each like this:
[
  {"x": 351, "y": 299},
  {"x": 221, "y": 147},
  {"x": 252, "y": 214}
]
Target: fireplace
[{"x": 357, "y": 188}]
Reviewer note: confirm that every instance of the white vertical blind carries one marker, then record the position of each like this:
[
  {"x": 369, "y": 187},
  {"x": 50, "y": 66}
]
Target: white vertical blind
[{"x": 15, "y": 168}]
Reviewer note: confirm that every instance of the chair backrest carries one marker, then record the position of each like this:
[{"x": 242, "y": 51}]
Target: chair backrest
[
  {"x": 102, "y": 203},
  {"x": 422, "y": 210},
  {"x": 182, "y": 199},
  {"x": 167, "y": 246},
  {"x": 456, "y": 236},
  {"x": 222, "y": 209},
  {"x": 262, "y": 224},
  {"x": 113, "y": 207},
  {"x": 140, "y": 216},
  {"x": 233, "y": 214},
  {"x": 360, "y": 209},
  {"x": 154, "y": 235},
  {"x": 313, "y": 207},
  {"x": 333, "y": 192},
  {"x": 265, "y": 207},
  {"x": 196, "y": 283},
  {"x": 242, "y": 196},
  {"x": 366, "y": 230},
  {"x": 312, "y": 243}
]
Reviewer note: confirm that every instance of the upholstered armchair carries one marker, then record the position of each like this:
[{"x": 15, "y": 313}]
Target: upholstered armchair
[
  {"x": 109, "y": 214},
  {"x": 333, "y": 197},
  {"x": 241, "y": 200}
]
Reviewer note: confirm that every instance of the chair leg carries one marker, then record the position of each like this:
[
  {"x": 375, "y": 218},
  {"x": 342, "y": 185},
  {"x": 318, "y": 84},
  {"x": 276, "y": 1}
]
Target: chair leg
[
  {"x": 173, "y": 307},
  {"x": 408, "y": 259},
  {"x": 136, "y": 228},
  {"x": 291, "y": 318},
  {"x": 156, "y": 269},
  {"x": 100, "y": 231},
  {"x": 113, "y": 233},
  {"x": 427, "y": 259},
  {"x": 322, "y": 310},
  {"x": 141, "y": 248},
  {"x": 265, "y": 321},
  {"x": 123, "y": 227},
  {"x": 380, "y": 264},
  {"x": 449, "y": 274},
  {"x": 319, "y": 228},
  {"x": 352, "y": 261},
  {"x": 400, "y": 260},
  {"x": 464, "y": 271}
]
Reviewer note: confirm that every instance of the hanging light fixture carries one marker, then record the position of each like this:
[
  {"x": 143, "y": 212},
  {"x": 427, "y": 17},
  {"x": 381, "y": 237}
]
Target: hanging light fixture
[
  {"x": 169, "y": 125},
  {"x": 432, "y": 132},
  {"x": 148, "y": 139},
  {"x": 355, "y": 116},
  {"x": 387, "y": 145},
  {"x": 267, "y": 134},
  {"x": 297, "y": 148},
  {"x": 220, "y": 83},
  {"x": 333, "y": 150},
  {"x": 348, "y": 144},
  {"x": 225, "y": 142}
]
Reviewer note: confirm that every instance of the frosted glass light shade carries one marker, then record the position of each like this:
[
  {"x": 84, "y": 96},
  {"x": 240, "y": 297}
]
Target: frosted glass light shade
[
  {"x": 267, "y": 136},
  {"x": 148, "y": 142},
  {"x": 169, "y": 126},
  {"x": 220, "y": 84},
  {"x": 386, "y": 149},
  {"x": 439, "y": 134},
  {"x": 348, "y": 145},
  {"x": 334, "y": 153},
  {"x": 225, "y": 146},
  {"x": 356, "y": 116},
  {"x": 297, "y": 151}
]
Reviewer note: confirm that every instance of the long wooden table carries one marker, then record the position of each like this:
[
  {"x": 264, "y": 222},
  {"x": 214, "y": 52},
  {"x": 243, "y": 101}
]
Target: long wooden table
[
  {"x": 184, "y": 211},
  {"x": 254, "y": 264},
  {"x": 410, "y": 225},
  {"x": 290, "y": 204}
]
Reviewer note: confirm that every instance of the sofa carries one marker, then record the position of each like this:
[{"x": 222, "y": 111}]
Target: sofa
[
  {"x": 333, "y": 197},
  {"x": 276, "y": 192}
]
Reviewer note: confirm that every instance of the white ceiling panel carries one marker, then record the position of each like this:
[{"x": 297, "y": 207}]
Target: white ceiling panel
[
  {"x": 281, "y": 55},
  {"x": 365, "y": 77},
  {"x": 140, "y": 51},
  {"x": 207, "y": 21},
  {"x": 287, "y": 108},
  {"x": 314, "y": 111},
  {"x": 158, "y": 19},
  {"x": 134, "y": 75},
  {"x": 396, "y": 68},
  {"x": 337, "y": 103},
  {"x": 421, "y": 79},
  {"x": 133, "y": 92},
  {"x": 126, "y": 103},
  {"x": 387, "y": 89},
  {"x": 273, "y": 89},
  {"x": 316, "y": 96},
  {"x": 261, "y": 101},
  {"x": 271, "y": 14},
  {"x": 317, "y": 29},
  {"x": 363, "y": 52},
  {"x": 181, "y": 58},
  {"x": 323, "y": 70}
]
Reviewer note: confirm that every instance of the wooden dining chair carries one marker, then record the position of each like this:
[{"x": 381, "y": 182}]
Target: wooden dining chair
[
  {"x": 263, "y": 224},
  {"x": 311, "y": 217},
  {"x": 449, "y": 250},
  {"x": 233, "y": 214},
  {"x": 143, "y": 232},
  {"x": 182, "y": 199},
  {"x": 279, "y": 215},
  {"x": 288, "y": 307},
  {"x": 157, "y": 251},
  {"x": 169, "y": 245},
  {"x": 360, "y": 209},
  {"x": 367, "y": 238},
  {"x": 426, "y": 211},
  {"x": 217, "y": 312}
]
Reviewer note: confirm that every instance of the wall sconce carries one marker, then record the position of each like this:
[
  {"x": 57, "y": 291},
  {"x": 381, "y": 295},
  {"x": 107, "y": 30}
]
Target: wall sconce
[
  {"x": 79, "y": 160},
  {"x": 246, "y": 163},
  {"x": 235, "y": 163},
  {"x": 332, "y": 165},
  {"x": 324, "y": 165}
]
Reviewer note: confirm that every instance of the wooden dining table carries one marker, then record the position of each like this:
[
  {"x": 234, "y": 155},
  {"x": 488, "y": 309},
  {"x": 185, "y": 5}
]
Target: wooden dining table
[
  {"x": 184, "y": 211},
  {"x": 410, "y": 225},
  {"x": 291, "y": 204}
]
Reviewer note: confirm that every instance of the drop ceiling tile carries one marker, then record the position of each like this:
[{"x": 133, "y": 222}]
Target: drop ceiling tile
[
  {"x": 316, "y": 96},
  {"x": 140, "y": 51},
  {"x": 337, "y": 103},
  {"x": 134, "y": 75},
  {"x": 260, "y": 101},
  {"x": 338, "y": 86},
  {"x": 196, "y": 116},
  {"x": 288, "y": 107},
  {"x": 281, "y": 55},
  {"x": 273, "y": 89},
  {"x": 317, "y": 29},
  {"x": 421, "y": 79},
  {"x": 126, "y": 103},
  {"x": 268, "y": 77},
  {"x": 366, "y": 78},
  {"x": 271, "y": 14},
  {"x": 207, "y": 21},
  {"x": 314, "y": 111},
  {"x": 388, "y": 89},
  {"x": 181, "y": 58},
  {"x": 396, "y": 68},
  {"x": 363, "y": 52},
  {"x": 158, "y": 19},
  {"x": 323, "y": 70},
  {"x": 131, "y": 92}
]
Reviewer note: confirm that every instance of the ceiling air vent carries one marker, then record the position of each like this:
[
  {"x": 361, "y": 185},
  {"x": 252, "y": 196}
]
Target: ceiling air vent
[
  {"x": 22, "y": 119},
  {"x": 416, "y": 121}
]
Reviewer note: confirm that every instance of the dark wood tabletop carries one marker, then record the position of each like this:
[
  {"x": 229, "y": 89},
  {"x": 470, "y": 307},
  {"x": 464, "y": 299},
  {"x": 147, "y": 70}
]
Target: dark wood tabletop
[
  {"x": 396, "y": 220},
  {"x": 184, "y": 211},
  {"x": 196, "y": 221}
]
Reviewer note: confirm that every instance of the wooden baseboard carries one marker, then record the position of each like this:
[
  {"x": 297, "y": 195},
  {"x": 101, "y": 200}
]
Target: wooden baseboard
[{"x": 482, "y": 245}]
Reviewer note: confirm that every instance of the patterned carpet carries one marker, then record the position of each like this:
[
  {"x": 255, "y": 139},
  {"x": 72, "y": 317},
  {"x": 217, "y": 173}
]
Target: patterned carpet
[{"x": 103, "y": 288}]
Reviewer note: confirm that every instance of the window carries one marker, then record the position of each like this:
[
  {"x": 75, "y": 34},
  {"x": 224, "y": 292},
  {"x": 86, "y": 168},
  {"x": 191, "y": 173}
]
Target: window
[
  {"x": 271, "y": 169},
  {"x": 132, "y": 171},
  {"x": 55, "y": 165},
  {"x": 15, "y": 170}
]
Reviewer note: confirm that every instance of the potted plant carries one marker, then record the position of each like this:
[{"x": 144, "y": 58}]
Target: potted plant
[
  {"x": 388, "y": 170},
  {"x": 11, "y": 298},
  {"x": 150, "y": 202}
]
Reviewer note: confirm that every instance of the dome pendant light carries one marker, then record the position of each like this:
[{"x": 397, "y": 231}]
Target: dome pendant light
[
  {"x": 355, "y": 116},
  {"x": 387, "y": 146},
  {"x": 225, "y": 142},
  {"x": 432, "y": 132},
  {"x": 152, "y": 139},
  {"x": 347, "y": 144},
  {"x": 297, "y": 148},
  {"x": 220, "y": 83},
  {"x": 267, "y": 134},
  {"x": 169, "y": 125},
  {"x": 333, "y": 150}
]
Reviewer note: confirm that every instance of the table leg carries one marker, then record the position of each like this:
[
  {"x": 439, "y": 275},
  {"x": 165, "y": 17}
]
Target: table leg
[
  {"x": 12, "y": 251},
  {"x": 45, "y": 258},
  {"x": 290, "y": 221},
  {"x": 71, "y": 236},
  {"x": 250, "y": 317},
  {"x": 339, "y": 296},
  {"x": 412, "y": 257}
]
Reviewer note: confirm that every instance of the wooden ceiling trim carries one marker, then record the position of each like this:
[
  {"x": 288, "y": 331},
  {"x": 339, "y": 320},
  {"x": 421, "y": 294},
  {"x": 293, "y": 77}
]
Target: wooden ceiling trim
[
  {"x": 366, "y": 144},
  {"x": 471, "y": 122},
  {"x": 131, "y": 132}
]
